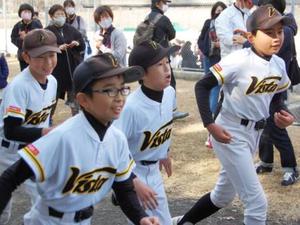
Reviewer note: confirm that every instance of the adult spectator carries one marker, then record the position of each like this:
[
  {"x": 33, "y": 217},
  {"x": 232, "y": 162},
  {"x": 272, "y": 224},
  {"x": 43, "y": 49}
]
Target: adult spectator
[
  {"x": 21, "y": 28},
  {"x": 71, "y": 44},
  {"x": 231, "y": 26},
  {"x": 110, "y": 39},
  {"x": 209, "y": 44},
  {"x": 189, "y": 60},
  {"x": 272, "y": 135},
  {"x": 164, "y": 32},
  {"x": 77, "y": 22}
]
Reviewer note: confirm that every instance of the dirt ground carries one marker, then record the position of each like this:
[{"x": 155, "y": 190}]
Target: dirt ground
[{"x": 195, "y": 173}]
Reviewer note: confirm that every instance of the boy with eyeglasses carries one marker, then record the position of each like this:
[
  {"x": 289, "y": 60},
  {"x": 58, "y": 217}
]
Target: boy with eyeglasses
[
  {"x": 147, "y": 124},
  {"x": 80, "y": 161}
]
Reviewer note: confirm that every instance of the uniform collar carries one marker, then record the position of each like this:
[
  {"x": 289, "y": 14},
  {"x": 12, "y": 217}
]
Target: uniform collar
[
  {"x": 152, "y": 94},
  {"x": 98, "y": 127}
]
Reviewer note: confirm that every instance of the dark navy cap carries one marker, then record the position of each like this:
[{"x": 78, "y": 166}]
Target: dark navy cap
[
  {"x": 102, "y": 66},
  {"x": 265, "y": 17},
  {"x": 148, "y": 53}
]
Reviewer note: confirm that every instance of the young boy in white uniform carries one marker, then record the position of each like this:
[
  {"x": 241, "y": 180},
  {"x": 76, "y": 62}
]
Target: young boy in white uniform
[
  {"x": 28, "y": 101},
  {"x": 251, "y": 79},
  {"x": 147, "y": 124},
  {"x": 78, "y": 163}
]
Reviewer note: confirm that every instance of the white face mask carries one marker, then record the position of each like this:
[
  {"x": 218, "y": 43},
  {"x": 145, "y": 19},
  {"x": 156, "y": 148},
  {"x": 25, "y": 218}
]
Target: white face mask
[
  {"x": 165, "y": 8},
  {"x": 59, "y": 21},
  {"x": 105, "y": 23},
  {"x": 70, "y": 10},
  {"x": 26, "y": 15},
  {"x": 246, "y": 11}
]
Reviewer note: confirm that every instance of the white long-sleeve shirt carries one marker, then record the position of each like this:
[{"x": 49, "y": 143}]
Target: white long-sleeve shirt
[{"x": 227, "y": 22}]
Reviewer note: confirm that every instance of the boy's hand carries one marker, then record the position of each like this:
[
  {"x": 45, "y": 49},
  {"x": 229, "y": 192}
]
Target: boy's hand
[
  {"x": 167, "y": 164},
  {"x": 239, "y": 39},
  {"x": 149, "y": 221},
  {"x": 220, "y": 134},
  {"x": 145, "y": 194},
  {"x": 283, "y": 119}
]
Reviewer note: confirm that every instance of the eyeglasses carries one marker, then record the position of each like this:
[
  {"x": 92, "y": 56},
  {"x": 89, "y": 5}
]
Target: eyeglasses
[{"x": 113, "y": 92}]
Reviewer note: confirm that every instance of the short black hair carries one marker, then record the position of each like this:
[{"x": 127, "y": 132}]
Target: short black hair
[
  {"x": 67, "y": 2},
  {"x": 280, "y": 5},
  {"x": 25, "y": 6},
  {"x": 101, "y": 9},
  {"x": 55, "y": 8}
]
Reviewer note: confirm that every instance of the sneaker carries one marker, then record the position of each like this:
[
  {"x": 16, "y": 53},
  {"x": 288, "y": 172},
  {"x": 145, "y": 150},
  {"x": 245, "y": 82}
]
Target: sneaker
[
  {"x": 262, "y": 169},
  {"x": 208, "y": 143},
  {"x": 289, "y": 178},
  {"x": 176, "y": 220},
  {"x": 179, "y": 115}
]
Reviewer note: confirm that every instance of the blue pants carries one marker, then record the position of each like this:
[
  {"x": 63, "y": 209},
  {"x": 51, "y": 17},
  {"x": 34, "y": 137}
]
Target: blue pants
[{"x": 214, "y": 93}]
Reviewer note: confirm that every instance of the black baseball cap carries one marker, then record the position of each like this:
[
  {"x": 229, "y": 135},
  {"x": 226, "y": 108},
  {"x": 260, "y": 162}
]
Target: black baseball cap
[
  {"x": 102, "y": 66},
  {"x": 265, "y": 17},
  {"x": 148, "y": 53},
  {"x": 39, "y": 41}
]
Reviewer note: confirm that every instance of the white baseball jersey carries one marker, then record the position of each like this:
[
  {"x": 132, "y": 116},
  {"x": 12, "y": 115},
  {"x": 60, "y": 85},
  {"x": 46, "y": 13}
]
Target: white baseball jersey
[
  {"x": 249, "y": 83},
  {"x": 73, "y": 168},
  {"x": 25, "y": 99},
  {"x": 147, "y": 124}
]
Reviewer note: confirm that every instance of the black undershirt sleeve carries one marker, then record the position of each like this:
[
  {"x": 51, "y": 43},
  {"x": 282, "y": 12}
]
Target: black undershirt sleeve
[
  {"x": 128, "y": 200},
  {"x": 11, "y": 179},
  {"x": 13, "y": 130},
  {"x": 278, "y": 104},
  {"x": 202, "y": 92}
]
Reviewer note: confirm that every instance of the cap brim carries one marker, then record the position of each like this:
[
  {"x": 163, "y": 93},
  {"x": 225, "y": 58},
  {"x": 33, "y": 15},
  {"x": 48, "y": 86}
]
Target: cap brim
[
  {"x": 130, "y": 74},
  {"x": 42, "y": 50},
  {"x": 283, "y": 19}
]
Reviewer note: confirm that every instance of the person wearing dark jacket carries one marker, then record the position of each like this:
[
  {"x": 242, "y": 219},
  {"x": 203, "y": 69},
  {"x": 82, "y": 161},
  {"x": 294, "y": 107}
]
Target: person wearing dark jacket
[
  {"x": 71, "y": 43},
  {"x": 164, "y": 32},
  {"x": 21, "y": 28},
  {"x": 272, "y": 135},
  {"x": 4, "y": 71}
]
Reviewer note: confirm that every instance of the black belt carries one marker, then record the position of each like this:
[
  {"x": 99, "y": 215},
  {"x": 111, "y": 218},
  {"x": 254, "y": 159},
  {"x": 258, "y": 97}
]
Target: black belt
[
  {"x": 6, "y": 144},
  {"x": 261, "y": 124},
  {"x": 147, "y": 162},
  {"x": 80, "y": 215}
]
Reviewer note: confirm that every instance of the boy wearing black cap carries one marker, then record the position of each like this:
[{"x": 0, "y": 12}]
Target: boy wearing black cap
[
  {"x": 147, "y": 124},
  {"x": 78, "y": 163},
  {"x": 21, "y": 28},
  {"x": 28, "y": 101},
  {"x": 250, "y": 78}
]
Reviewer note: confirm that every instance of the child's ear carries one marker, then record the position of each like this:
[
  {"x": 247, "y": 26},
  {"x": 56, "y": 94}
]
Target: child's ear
[
  {"x": 82, "y": 99},
  {"x": 26, "y": 57},
  {"x": 250, "y": 37}
]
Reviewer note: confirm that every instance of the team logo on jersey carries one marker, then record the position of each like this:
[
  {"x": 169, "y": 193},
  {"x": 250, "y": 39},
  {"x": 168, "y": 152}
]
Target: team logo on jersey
[
  {"x": 266, "y": 85},
  {"x": 87, "y": 183},
  {"x": 158, "y": 138},
  {"x": 32, "y": 149},
  {"x": 38, "y": 117},
  {"x": 271, "y": 11},
  {"x": 218, "y": 70},
  {"x": 14, "y": 109}
]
